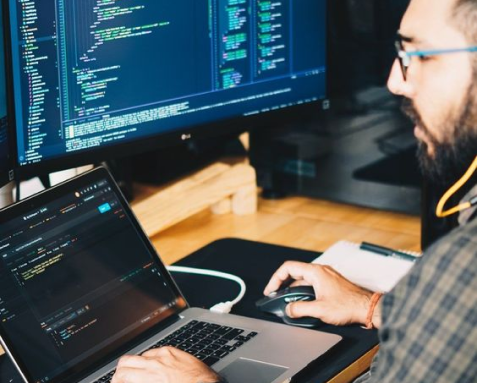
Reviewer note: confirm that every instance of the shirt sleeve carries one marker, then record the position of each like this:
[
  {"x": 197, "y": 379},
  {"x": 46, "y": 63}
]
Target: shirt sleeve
[
  {"x": 429, "y": 331},
  {"x": 363, "y": 378}
]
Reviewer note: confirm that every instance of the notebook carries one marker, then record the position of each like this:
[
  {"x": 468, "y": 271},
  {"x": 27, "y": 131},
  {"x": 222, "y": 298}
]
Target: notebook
[{"x": 372, "y": 271}]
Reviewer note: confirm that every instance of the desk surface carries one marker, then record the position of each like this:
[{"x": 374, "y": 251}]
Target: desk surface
[{"x": 296, "y": 222}]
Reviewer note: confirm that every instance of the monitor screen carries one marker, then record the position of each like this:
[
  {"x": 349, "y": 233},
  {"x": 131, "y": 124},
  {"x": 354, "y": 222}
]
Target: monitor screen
[
  {"x": 91, "y": 74},
  {"x": 5, "y": 174}
]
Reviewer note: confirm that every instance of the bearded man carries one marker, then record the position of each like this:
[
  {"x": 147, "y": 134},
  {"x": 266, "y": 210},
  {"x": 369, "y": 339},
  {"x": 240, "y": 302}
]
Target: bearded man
[{"x": 428, "y": 323}]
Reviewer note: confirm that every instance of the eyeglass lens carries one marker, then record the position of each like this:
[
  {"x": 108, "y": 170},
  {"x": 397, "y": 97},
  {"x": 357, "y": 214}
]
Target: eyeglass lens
[{"x": 399, "y": 49}]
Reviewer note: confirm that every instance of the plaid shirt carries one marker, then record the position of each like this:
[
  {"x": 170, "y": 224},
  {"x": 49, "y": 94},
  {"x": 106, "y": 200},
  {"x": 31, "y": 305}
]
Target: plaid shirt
[{"x": 429, "y": 331}]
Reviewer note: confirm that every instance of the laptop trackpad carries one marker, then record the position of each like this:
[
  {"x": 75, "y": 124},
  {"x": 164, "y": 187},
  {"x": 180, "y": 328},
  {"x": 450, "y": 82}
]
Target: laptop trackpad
[{"x": 246, "y": 370}]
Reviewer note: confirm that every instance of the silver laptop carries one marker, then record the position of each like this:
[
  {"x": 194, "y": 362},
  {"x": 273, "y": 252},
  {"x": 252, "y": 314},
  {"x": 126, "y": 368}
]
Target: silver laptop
[{"x": 81, "y": 285}]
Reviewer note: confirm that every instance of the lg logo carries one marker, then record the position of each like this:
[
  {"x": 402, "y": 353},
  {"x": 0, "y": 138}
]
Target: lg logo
[{"x": 186, "y": 137}]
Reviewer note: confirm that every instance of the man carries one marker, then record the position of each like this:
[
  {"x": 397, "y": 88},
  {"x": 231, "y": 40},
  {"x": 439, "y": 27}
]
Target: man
[{"x": 428, "y": 323}]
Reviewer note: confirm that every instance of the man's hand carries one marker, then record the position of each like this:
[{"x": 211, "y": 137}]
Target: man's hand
[
  {"x": 163, "y": 365},
  {"x": 338, "y": 301}
]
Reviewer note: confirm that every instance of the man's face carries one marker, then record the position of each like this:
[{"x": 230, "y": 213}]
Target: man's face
[{"x": 439, "y": 91}]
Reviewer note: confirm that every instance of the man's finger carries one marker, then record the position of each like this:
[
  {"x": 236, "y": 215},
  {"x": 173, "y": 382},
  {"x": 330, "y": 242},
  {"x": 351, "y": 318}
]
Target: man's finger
[
  {"x": 160, "y": 352},
  {"x": 294, "y": 270},
  {"x": 299, "y": 283},
  {"x": 168, "y": 354},
  {"x": 132, "y": 361},
  {"x": 129, "y": 375},
  {"x": 286, "y": 271},
  {"x": 303, "y": 309}
]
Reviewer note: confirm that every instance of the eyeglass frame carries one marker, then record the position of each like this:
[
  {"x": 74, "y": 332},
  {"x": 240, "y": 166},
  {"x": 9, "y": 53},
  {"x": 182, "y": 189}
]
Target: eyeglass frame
[{"x": 404, "y": 57}]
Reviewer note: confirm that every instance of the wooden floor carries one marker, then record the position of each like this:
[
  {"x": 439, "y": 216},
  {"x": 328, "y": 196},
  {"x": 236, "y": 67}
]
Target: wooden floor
[{"x": 297, "y": 222}]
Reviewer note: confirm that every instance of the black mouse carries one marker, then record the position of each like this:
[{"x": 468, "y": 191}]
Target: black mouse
[{"x": 277, "y": 301}]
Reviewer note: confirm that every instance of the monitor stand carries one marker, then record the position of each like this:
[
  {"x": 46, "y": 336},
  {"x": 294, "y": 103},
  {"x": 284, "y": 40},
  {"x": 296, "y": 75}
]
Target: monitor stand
[
  {"x": 122, "y": 172},
  {"x": 162, "y": 166},
  {"x": 172, "y": 163}
]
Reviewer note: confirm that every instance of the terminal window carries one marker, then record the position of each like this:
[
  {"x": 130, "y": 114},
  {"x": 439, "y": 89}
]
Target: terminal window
[{"x": 90, "y": 73}]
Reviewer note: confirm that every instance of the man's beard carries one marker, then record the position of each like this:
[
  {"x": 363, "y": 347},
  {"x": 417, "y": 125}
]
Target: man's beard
[{"x": 451, "y": 158}]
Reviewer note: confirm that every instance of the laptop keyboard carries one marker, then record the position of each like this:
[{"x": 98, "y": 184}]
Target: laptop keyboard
[{"x": 208, "y": 342}]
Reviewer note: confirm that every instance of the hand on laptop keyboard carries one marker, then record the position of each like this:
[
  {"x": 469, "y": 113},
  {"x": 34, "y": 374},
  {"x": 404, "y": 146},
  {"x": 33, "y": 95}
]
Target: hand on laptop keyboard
[
  {"x": 183, "y": 356},
  {"x": 163, "y": 365},
  {"x": 206, "y": 341}
]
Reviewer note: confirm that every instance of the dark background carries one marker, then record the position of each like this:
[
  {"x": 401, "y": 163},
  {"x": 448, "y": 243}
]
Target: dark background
[{"x": 363, "y": 150}]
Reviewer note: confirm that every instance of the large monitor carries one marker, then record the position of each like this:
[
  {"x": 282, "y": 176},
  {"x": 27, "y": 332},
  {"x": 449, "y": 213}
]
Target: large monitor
[
  {"x": 6, "y": 173},
  {"x": 94, "y": 78}
]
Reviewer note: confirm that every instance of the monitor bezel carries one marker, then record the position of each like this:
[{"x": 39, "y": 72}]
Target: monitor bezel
[
  {"x": 8, "y": 175},
  {"x": 230, "y": 126}
]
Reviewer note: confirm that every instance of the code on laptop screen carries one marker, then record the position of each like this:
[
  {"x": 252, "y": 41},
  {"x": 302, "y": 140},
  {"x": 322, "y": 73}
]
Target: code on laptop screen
[{"x": 75, "y": 277}]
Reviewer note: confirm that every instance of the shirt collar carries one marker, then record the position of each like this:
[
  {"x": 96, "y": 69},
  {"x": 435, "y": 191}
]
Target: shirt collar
[{"x": 467, "y": 214}]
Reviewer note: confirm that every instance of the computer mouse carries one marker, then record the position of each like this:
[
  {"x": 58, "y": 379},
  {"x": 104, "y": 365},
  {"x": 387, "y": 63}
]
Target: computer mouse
[{"x": 277, "y": 301}]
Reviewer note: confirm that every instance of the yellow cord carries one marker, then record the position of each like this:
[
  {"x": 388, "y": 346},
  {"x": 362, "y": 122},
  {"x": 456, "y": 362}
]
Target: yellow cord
[{"x": 440, "y": 206}]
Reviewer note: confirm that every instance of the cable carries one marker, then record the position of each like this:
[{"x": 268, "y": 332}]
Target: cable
[
  {"x": 222, "y": 307},
  {"x": 466, "y": 205}
]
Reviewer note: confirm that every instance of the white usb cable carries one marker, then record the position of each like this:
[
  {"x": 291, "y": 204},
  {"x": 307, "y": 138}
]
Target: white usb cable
[{"x": 223, "y": 307}]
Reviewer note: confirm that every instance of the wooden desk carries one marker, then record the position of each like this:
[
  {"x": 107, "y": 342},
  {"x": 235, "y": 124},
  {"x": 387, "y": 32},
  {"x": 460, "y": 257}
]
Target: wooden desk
[{"x": 296, "y": 222}]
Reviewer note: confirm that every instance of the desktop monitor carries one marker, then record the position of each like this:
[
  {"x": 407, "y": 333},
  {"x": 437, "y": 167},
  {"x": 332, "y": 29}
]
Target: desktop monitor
[
  {"x": 6, "y": 173},
  {"x": 93, "y": 79}
]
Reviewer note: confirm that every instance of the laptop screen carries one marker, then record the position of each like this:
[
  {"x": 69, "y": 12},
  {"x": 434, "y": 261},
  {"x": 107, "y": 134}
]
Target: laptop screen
[{"x": 78, "y": 279}]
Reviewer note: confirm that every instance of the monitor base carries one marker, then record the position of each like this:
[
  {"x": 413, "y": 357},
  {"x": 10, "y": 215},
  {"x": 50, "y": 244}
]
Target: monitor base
[{"x": 169, "y": 164}]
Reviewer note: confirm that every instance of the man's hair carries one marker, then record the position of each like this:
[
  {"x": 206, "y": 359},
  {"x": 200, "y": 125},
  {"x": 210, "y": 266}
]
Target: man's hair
[{"x": 465, "y": 18}]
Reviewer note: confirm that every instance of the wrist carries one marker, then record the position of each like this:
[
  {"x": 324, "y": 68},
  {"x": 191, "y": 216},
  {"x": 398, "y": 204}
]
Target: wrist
[
  {"x": 373, "y": 316},
  {"x": 213, "y": 377},
  {"x": 362, "y": 307},
  {"x": 377, "y": 315}
]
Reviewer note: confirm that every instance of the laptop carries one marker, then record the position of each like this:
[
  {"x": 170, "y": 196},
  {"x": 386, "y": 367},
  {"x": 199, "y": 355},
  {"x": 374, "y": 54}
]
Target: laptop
[{"x": 81, "y": 285}]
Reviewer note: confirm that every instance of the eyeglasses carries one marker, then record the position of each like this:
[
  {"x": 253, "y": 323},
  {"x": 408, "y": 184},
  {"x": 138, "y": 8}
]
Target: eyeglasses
[{"x": 405, "y": 57}]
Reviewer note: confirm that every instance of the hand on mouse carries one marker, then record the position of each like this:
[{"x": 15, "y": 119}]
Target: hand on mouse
[{"x": 338, "y": 301}]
